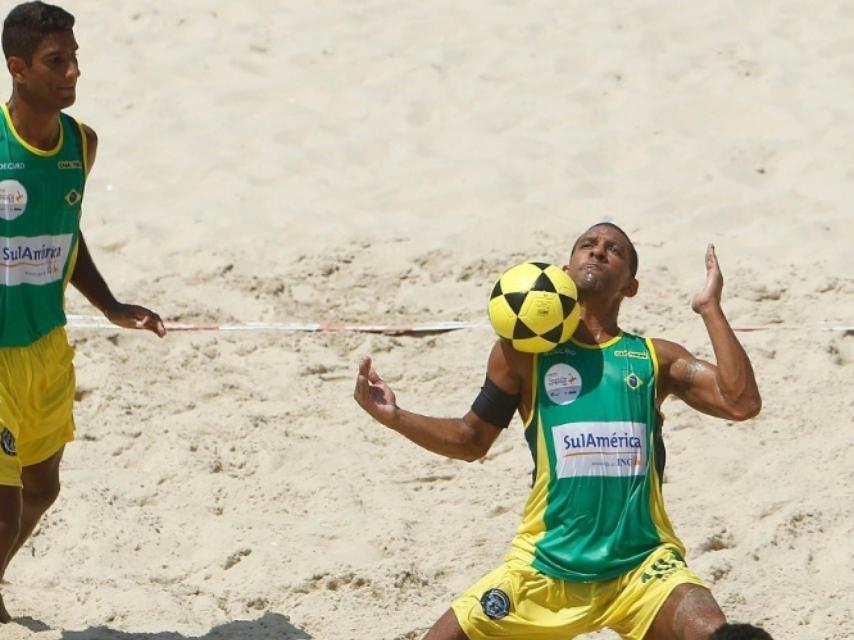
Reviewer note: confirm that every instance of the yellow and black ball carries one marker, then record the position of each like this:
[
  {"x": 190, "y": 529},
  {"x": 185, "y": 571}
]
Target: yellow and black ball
[{"x": 535, "y": 306}]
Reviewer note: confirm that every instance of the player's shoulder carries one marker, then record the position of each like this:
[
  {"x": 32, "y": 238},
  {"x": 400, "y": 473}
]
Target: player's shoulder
[
  {"x": 505, "y": 356},
  {"x": 667, "y": 351},
  {"x": 89, "y": 132}
]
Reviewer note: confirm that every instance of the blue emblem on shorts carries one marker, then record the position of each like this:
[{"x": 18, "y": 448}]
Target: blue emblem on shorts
[
  {"x": 495, "y": 603},
  {"x": 7, "y": 441}
]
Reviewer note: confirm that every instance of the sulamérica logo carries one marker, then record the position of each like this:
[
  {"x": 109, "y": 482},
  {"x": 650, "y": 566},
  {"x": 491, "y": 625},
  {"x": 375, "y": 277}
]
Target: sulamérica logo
[
  {"x": 13, "y": 199},
  {"x": 600, "y": 449}
]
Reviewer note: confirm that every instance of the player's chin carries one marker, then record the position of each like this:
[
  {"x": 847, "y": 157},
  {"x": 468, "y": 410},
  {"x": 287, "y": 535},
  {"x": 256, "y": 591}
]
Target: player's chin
[
  {"x": 588, "y": 282},
  {"x": 66, "y": 98}
]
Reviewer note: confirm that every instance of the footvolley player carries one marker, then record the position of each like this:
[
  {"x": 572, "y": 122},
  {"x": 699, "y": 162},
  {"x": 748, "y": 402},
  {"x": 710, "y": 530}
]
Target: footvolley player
[
  {"x": 45, "y": 156},
  {"x": 595, "y": 548}
]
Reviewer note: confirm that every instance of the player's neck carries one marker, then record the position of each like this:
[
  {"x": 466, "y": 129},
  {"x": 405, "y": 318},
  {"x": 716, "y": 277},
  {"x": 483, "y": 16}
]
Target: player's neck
[
  {"x": 37, "y": 127},
  {"x": 598, "y": 323}
]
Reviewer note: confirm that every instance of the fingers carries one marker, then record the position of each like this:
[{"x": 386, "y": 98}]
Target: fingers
[
  {"x": 365, "y": 369},
  {"x": 153, "y": 323},
  {"x": 362, "y": 391},
  {"x": 150, "y": 321}
]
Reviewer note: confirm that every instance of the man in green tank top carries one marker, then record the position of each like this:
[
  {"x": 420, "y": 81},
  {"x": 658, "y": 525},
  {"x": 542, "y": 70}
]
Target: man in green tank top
[
  {"x": 595, "y": 548},
  {"x": 45, "y": 157}
]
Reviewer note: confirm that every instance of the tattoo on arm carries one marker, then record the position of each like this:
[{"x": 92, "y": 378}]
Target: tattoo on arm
[
  {"x": 687, "y": 378},
  {"x": 693, "y": 368}
]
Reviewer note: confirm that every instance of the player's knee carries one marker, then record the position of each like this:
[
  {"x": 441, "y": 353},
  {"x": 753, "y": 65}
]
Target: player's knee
[
  {"x": 42, "y": 496},
  {"x": 697, "y": 614},
  {"x": 704, "y": 628},
  {"x": 10, "y": 525}
]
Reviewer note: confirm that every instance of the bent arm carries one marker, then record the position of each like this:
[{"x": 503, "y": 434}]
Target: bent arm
[
  {"x": 88, "y": 280},
  {"x": 467, "y": 438},
  {"x": 727, "y": 389}
]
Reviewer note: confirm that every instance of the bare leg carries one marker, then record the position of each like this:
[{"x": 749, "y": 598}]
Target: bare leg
[
  {"x": 41, "y": 488},
  {"x": 21, "y": 510},
  {"x": 689, "y": 613},
  {"x": 446, "y": 628},
  {"x": 10, "y": 522}
]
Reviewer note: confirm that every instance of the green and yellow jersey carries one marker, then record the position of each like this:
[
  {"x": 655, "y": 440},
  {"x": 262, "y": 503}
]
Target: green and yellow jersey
[
  {"x": 596, "y": 509},
  {"x": 41, "y": 192}
]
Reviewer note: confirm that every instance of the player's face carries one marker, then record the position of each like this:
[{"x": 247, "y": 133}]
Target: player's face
[
  {"x": 600, "y": 261},
  {"x": 51, "y": 78}
]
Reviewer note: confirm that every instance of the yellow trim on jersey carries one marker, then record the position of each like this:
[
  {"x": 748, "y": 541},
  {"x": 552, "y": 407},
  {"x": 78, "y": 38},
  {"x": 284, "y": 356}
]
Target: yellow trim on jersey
[
  {"x": 654, "y": 356},
  {"x": 84, "y": 148},
  {"x": 72, "y": 262},
  {"x": 603, "y": 345},
  {"x": 655, "y": 369},
  {"x": 532, "y": 528},
  {"x": 35, "y": 150},
  {"x": 656, "y": 497},
  {"x": 533, "y": 392}
]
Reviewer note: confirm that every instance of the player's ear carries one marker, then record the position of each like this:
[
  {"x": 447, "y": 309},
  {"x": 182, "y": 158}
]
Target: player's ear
[
  {"x": 16, "y": 67},
  {"x": 631, "y": 289}
]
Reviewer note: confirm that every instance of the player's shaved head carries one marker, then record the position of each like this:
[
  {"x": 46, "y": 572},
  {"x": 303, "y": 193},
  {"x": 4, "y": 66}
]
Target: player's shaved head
[{"x": 633, "y": 254}]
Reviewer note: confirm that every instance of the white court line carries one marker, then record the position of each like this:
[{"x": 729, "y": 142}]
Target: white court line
[{"x": 99, "y": 322}]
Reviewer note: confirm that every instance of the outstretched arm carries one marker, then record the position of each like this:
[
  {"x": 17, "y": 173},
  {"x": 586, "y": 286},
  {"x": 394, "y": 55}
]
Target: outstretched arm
[
  {"x": 467, "y": 438},
  {"x": 727, "y": 389},
  {"x": 88, "y": 280}
]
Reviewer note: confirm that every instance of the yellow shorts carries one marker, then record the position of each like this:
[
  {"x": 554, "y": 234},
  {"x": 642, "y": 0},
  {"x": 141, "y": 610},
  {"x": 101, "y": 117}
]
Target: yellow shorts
[
  {"x": 516, "y": 601},
  {"x": 36, "y": 403}
]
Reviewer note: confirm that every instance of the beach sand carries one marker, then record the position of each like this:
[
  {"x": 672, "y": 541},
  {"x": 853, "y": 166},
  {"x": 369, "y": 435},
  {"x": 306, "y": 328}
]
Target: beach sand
[{"x": 382, "y": 162}]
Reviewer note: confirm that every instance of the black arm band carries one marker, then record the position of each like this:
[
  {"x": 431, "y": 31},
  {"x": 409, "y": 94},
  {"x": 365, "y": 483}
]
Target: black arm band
[{"x": 494, "y": 405}]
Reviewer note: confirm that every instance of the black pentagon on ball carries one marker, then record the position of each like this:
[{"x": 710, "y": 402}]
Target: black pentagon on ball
[
  {"x": 567, "y": 303},
  {"x": 496, "y": 290},
  {"x": 543, "y": 283},
  {"x": 515, "y": 300},
  {"x": 522, "y": 331},
  {"x": 553, "y": 335}
]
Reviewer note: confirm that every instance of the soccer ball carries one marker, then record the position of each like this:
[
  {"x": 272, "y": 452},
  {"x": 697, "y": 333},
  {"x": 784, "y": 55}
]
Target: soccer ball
[{"x": 535, "y": 306}]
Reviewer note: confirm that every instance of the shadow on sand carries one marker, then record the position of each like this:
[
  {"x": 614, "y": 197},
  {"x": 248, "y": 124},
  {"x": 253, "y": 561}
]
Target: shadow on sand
[{"x": 268, "y": 627}]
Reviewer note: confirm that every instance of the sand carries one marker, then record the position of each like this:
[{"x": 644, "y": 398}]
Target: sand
[{"x": 382, "y": 162}]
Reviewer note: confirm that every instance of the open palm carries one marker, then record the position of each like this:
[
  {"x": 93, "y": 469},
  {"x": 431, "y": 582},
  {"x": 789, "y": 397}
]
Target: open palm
[{"x": 710, "y": 295}]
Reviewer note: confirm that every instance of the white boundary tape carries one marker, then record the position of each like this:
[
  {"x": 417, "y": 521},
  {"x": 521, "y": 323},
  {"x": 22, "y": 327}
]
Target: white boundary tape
[{"x": 98, "y": 322}]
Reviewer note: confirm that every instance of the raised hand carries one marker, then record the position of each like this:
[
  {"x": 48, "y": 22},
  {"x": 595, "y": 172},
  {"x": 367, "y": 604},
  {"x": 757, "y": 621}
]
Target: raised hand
[
  {"x": 131, "y": 316},
  {"x": 374, "y": 395},
  {"x": 709, "y": 297}
]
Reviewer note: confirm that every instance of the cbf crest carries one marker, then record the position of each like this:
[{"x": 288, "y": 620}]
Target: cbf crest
[
  {"x": 495, "y": 603},
  {"x": 633, "y": 381}
]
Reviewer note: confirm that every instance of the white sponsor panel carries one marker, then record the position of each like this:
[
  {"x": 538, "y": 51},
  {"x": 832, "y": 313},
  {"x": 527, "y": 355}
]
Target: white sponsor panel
[
  {"x": 36, "y": 260},
  {"x": 562, "y": 383},
  {"x": 600, "y": 449},
  {"x": 13, "y": 199}
]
